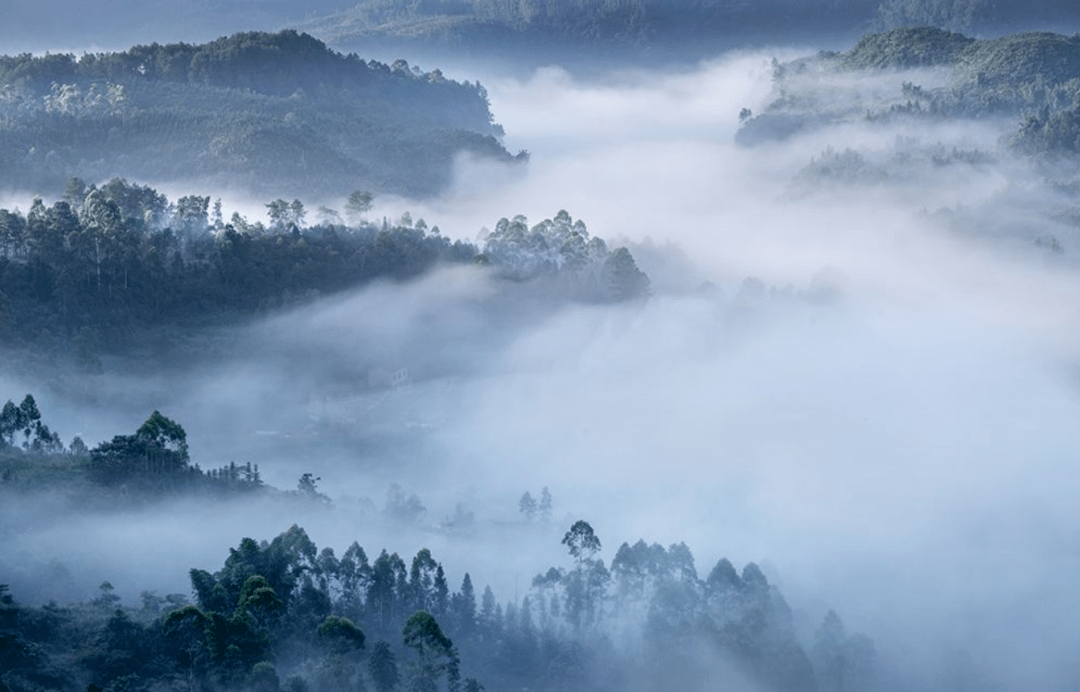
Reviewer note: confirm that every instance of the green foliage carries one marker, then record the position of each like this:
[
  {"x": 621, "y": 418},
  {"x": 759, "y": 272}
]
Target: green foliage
[
  {"x": 258, "y": 598},
  {"x": 423, "y": 634},
  {"x": 256, "y": 109},
  {"x": 1033, "y": 77},
  {"x": 341, "y": 634},
  {"x": 254, "y": 618},
  {"x": 625, "y": 280},
  {"x": 956, "y": 15},
  {"x": 906, "y": 47},
  {"x": 155, "y": 457},
  {"x": 1010, "y": 73},
  {"x": 983, "y": 16},
  {"x": 382, "y": 666},
  {"x": 25, "y": 663},
  {"x": 1016, "y": 68},
  {"x": 1049, "y": 134},
  {"x": 124, "y": 650},
  {"x": 124, "y": 262},
  {"x": 561, "y": 252},
  {"x": 575, "y": 26},
  {"x": 358, "y": 204},
  {"x": 307, "y": 488},
  {"x": 228, "y": 639},
  {"x": 435, "y": 654},
  {"x": 581, "y": 541},
  {"x": 586, "y": 584},
  {"x": 26, "y": 419}
]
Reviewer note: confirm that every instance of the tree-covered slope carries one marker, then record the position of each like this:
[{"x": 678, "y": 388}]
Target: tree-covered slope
[
  {"x": 979, "y": 16},
  {"x": 906, "y": 47},
  {"x": 918, "y": 109},
  {"x": 274, "y": 113},
  {"x": 573, "y": 29},
  {"x": 285, "y": 615},
  {"x": 106, "y": 267},
  {"x": 1014, "y": 59},
  {"x": 1032, "y": 78}
]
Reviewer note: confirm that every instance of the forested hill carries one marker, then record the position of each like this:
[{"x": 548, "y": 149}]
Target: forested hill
[
  {"x": 270, "y": 113},
  {"x": 664, "y": 28},
  {"x": 1031, "y": 78},
  {"x": 569, "y": 29},
  {"x": 287, "y": 616},
  {"x": 106, "y": 267}
]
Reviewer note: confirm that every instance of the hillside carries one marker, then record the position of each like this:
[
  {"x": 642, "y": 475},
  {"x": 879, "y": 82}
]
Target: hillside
[
  {"x": 644, "y": 30},
  {"x": 573, "y": 32},
  {"x": 267, "y": 113},
  {"x": 1031, "y": 78}
]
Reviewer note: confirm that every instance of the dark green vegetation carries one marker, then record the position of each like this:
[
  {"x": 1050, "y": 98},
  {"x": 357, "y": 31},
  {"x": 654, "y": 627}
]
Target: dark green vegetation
[
  {"x": 1004, "y": 111},
  {"x": 255, "y": 111},
  {"x": 1032, "y": 79},
  {"x": 552, "y": 26},
  {"x": 115, "y": 268},
  {"x": 151, "y": 463},
  {"x": 568, "y": 28},
  {"x": 561, "y": 253},
  {"x": 975, "y": 15},
  {"x": 907, "y": 48},
  {"x": 515, "y": 29},
  {"x": 284, "y": 615}
]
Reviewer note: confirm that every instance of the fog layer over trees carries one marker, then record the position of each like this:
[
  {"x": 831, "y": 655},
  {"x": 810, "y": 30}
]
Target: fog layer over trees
[{"x": 809, "y": 316}]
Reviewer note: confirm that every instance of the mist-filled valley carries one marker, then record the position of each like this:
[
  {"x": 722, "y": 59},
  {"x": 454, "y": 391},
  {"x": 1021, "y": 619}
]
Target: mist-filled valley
[{"x": 756, "y": 371}]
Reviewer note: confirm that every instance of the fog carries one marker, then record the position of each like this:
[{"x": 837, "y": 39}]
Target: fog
[{"x": 889, "y": 426}]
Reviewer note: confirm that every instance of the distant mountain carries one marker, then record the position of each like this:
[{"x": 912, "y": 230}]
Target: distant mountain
[
  {"x": 522, "y": 30},
  {"x": 568, "y": 30},
  {"x": 979, "y": 16},
  {"x": 270, "y": 113},
  {"x": 1032, "y": 77}
]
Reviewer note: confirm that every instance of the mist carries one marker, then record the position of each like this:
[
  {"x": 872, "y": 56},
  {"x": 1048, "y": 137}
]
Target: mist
[
  {"x": 901, "y": 452},
  {"x": 885, "y": 418}
]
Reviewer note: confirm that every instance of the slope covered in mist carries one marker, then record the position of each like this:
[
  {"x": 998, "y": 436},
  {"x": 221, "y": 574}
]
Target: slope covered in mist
[
  {"x": 283, "y": 614},
  {"x": 120, "y": 270},
  {"x": 522, "y": 32},
  {"x": 268, "y": 113},
  {"x": 1031, "y": 75},
  {"x": 650, "y": 31},
  {"x": 853, "y": 364},
  {"x": 1017, "y": 97}
]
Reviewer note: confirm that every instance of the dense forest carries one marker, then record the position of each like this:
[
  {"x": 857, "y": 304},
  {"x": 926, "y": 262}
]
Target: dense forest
[
  {"x": 147, "y": 465},
  {"x": 142, "y": 469},
  {"x": 979, "y": 16},
  {"x": 1025, "y": 88},
  {"x": 269, "y": 113},
  {"x": 522, "y": 29},
  {"x": 1031, "y": 77},
  {"x": 285, "y": 615},
  {"x": 103, "y": 267},
  {"x": 662, "y": 28}
]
